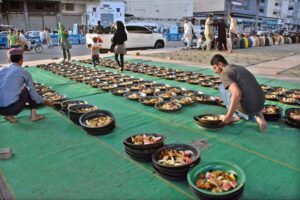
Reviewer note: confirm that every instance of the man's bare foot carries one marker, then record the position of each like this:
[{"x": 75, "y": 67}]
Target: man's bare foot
[
  {"x": 36, "y": 117},
  {"x": 260, "y": 120},
  {"x": 11, "y": 119}
]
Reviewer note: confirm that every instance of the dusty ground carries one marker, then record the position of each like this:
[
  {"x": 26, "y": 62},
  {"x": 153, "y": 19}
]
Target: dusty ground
[{"x": 244, "y": 57}]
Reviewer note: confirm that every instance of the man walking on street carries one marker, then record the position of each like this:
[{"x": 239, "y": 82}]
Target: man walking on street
[
  {"x": 188, "y": 33},
  {"x": 232, "y": 28},
  {"x": 208, "y": 32},
  {"x": 222, "y": 35}
]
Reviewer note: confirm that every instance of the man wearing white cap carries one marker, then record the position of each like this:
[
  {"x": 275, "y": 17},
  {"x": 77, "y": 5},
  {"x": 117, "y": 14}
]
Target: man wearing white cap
[{"x": 17, "y": 89}]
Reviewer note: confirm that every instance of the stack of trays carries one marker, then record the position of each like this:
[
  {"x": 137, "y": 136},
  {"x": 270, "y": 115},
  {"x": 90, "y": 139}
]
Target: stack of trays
[
  {"x": 141, "y": 146},
  {"x": 66, "y": 104},
  {"x": 98, "y": 122},
  {"x": 174, "y": 161},
  {"x": 292, "y": 117},
  {"x": 76, "y": 111}
]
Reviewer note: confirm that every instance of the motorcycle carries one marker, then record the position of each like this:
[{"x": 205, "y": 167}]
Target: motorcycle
[{"x": 38, "y": 48}]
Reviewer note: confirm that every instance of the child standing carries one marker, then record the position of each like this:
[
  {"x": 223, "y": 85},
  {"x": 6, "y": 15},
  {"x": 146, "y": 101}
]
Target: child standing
[{"x": 95, "y": 51}]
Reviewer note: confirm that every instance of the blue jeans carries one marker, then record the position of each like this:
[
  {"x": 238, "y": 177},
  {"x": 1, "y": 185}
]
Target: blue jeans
[{"x": 226, "y": 96}]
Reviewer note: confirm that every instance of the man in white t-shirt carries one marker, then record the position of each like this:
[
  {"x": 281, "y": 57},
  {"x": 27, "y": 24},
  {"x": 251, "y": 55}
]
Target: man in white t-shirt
[{"x": 232, "y": 28}]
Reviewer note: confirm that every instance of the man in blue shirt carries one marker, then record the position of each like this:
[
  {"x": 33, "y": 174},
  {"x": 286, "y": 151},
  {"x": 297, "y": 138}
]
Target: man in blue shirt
[{"x": 17, "y": 89}]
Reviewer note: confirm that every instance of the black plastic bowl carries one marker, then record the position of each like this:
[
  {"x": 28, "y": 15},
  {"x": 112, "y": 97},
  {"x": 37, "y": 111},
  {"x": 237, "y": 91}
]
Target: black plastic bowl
[
  {"x": 207, "y": 125},
  {"x": 127, "y": 142},
  {"x": 74, "y": 114},
  {"x": 140, "y": 95},
  {"x": 207, "y": 99},
  {"x": 160, "y": 94},
  {"x": 142, "y": 100},
  {"x": 138, "y": 157},
  {"x": 158, "y": 106},
  {"x": 97, "y": 130},
  {"x": 65, "y": 104},
  {"x": 177, "y": 99},
  {"x": 195, "y": 157},
  {"x": 116, "y": 91},
  {"x": 208, "y": 122},
  {"x": 288, "y": 115},
  {"x": 176, "y": 90},
  {"x": 272, "y": 117}
]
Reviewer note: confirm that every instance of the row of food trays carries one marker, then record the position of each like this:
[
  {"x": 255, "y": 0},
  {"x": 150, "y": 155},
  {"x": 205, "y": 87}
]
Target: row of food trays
[
  {"x": 164, "y": 73},
  {"x": 93, "y": 120},
  {"x": 162, "y": 96},
  {"x": 280, "y": 94}
]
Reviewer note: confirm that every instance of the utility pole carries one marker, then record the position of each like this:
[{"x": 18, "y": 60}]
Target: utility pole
[{"x": 257, "y": 15}]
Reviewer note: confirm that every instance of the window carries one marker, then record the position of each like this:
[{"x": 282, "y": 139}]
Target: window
[
  {"x": 13, "y": 5},
  {"x": 50, "y": 5},
  {"x": 94, "y": 9},
  {"x": 262, "y": 1},
  {"x": 261, "y": 10},
  {"x": 69, "y": 7},
  {"x": 39, "y": 6},
  {"x": 291, "y": 8},
  {"x": 277, "y": 4},
  {"x": 138, "y": 29}
]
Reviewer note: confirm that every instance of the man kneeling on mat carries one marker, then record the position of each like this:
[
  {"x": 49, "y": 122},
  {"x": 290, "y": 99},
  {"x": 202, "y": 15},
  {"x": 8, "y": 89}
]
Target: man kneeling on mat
[
  {"x": 240, "y": 92},
  {"x": 17, "y": 89}
]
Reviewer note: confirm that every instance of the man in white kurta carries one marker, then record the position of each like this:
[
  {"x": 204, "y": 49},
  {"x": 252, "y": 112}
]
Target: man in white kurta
[{"x": 188, "y": 33}]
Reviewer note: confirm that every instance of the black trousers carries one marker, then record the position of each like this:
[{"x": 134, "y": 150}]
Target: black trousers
[
  {"x": 121, "y": 64},
  {"x": 95, "y": 60},
  {"x": 222, "y": 42},
  {"x": 18, "y": 106}
]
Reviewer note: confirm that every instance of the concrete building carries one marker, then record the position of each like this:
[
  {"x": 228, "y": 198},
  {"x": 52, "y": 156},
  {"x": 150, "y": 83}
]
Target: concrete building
[
  {"x": 293, "y": 16},
  {"x": 273, "y": 15},
  {"x": 243, "y": 10},
  {"x": 108, "y": 12},
  {"x": 278, "y": 14},
  {"x": 173, "y": 10},
  {"x": 35, "y": 14}
]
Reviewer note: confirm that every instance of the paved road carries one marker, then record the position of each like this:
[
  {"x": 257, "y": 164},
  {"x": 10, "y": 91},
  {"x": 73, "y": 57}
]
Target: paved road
[{"x": 56, "y": 52}]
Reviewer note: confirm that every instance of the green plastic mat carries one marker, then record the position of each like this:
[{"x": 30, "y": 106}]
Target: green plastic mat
[
  {"x": 48, "y": 78},
  {"x": 55, "y": 159}
]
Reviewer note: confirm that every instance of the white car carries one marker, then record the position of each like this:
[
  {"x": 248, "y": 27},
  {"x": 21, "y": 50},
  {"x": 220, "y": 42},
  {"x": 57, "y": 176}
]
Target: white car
[
  {"x": 32, "y": 33},
  {"x": 137, "y": 37}
]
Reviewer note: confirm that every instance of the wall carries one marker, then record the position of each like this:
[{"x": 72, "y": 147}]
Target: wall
[
  {"x": 209, "y": 5},
  {"x": 284, "y": 8},
  {"x": 160, "y": 9},
  {"x": 78, "y": 9},
  {"x": 271, "y": 8}
]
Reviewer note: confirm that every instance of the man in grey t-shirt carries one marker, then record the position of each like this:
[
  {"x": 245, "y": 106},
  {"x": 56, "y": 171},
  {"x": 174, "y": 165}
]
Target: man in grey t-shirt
[{"x": 240, "y": 92}]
